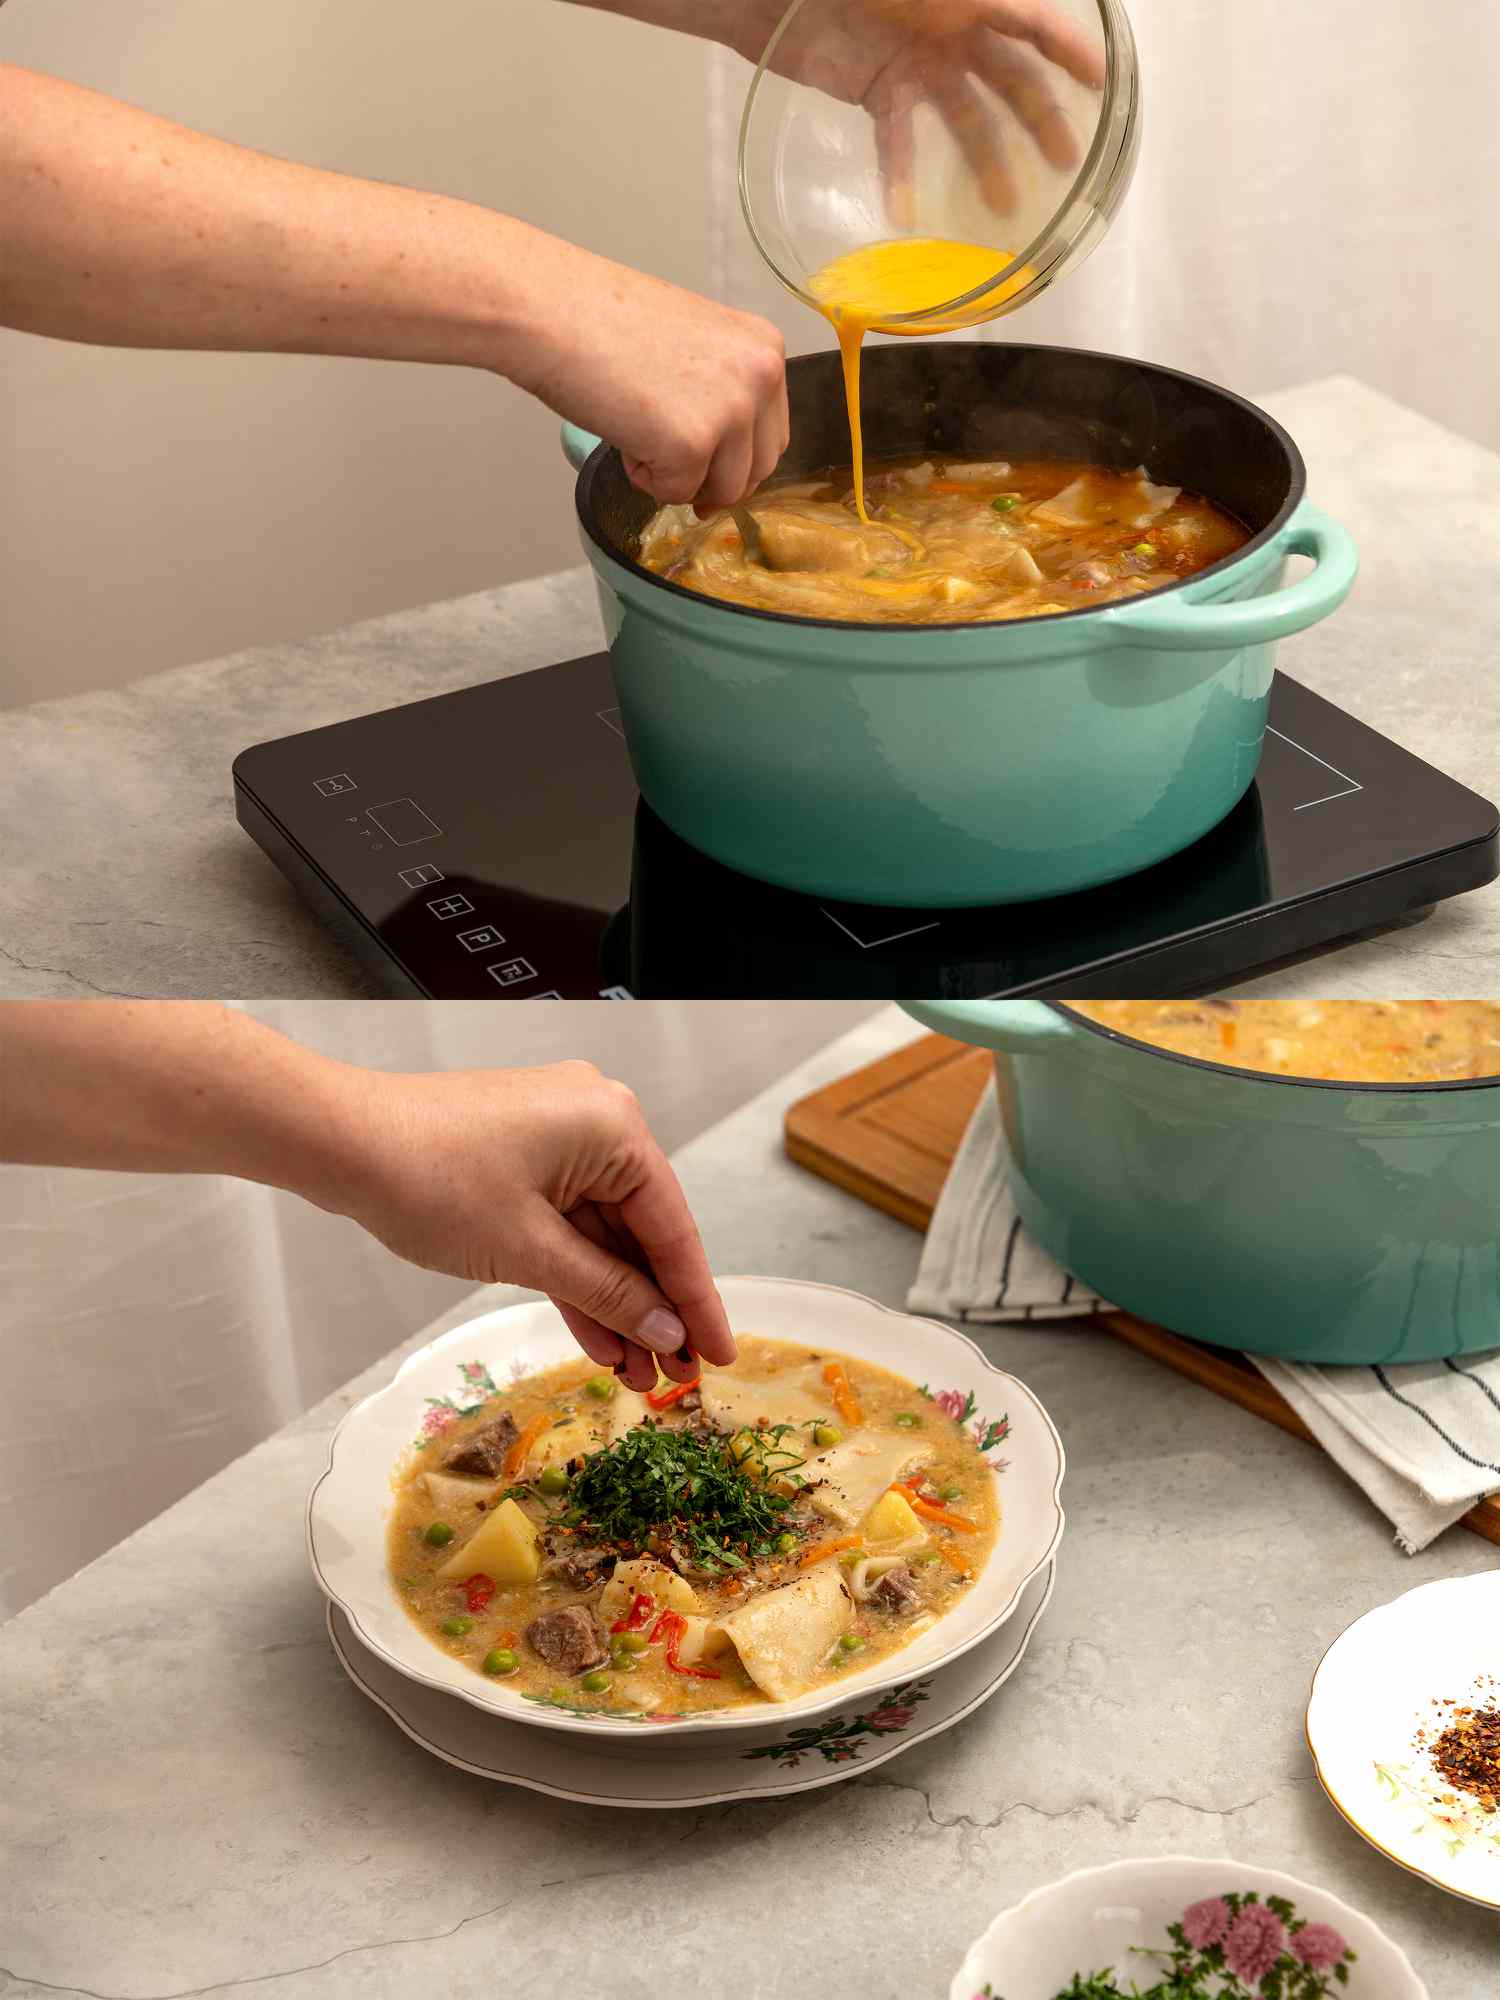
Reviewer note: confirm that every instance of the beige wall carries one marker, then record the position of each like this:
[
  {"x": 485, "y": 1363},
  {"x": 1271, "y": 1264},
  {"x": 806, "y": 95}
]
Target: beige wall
[{"x": 159, "y": 508}]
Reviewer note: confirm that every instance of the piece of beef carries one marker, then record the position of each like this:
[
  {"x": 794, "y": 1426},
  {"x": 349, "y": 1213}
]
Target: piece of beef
[
  {"x": 896, "y": 1591},
  {"x": 567, "y": 1639},
  {"x": 483, "y": 1454},
  {"x": 693, "y": 1400},
  {"x": 581, "y": 1568}
]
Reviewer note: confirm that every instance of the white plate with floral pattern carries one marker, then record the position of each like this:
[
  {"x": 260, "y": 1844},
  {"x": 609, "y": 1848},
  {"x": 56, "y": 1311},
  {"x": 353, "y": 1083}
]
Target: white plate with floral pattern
[
  {"x": 1240, "y": 1930},
  {"x": 351, "y": 1503},
  {"x": 1373, "y": 1717},
  {"x": 764, "y": 1763}
]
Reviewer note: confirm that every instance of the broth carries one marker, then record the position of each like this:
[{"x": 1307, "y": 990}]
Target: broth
[
  {"x": 1348, "y": 1041},
  {"x": 837, "y": 1573},
  {"x": 948, "y": 540}
]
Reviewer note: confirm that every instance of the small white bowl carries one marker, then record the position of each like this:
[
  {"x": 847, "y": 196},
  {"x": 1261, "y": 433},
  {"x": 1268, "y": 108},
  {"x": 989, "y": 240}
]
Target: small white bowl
[
  {"x": 351, "y": 1503},
  {"x": 1101, "y": 1917}
]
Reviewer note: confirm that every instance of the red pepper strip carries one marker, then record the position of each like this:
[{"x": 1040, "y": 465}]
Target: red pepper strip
[
  {"x": 639, "y": 1612},
  {"x": 676, "y": 1625},
  {"x": 479, "y": 1590},
  {"x": 663, "y": 1624},
  {"x": 668, "y": 1397}
]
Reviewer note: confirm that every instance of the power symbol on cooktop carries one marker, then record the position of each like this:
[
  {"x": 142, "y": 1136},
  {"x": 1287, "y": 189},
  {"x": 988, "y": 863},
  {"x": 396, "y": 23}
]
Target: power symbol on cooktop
[{"x": 331, "y": 787}]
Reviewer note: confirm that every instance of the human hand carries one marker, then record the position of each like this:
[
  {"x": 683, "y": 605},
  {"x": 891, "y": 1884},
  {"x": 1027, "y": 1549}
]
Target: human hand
[
  {"x": 542, "y": 1177},
  {"x": 958, "y": 56},
  {"x": 692, "y": 393}
]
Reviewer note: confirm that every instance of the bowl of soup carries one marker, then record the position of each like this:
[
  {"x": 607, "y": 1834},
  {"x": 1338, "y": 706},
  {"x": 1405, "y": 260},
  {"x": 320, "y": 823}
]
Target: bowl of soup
[
  {"x": 1317, "y": 1180},
  {"x": 858, "y": 1500},
  {"x": 1041, "y": 661}
]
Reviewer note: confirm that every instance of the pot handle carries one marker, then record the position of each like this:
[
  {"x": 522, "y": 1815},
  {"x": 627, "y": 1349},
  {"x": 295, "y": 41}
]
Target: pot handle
[
  {"x": 1018, "y": 1026},
  {"x": 578, "y": 445},
  {"x": 1178, "y": 625}
]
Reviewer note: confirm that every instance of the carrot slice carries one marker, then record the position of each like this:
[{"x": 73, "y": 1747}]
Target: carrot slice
[
  {"x": 516, "y": 1457},
  {"x": 955, "y": 1560},
  {"x": 1228, "y": 1033},
  {"x": 934, "y": 1510},
  {"x": 824, "y": 1549},
  {"x": 844, "y": 1399}
]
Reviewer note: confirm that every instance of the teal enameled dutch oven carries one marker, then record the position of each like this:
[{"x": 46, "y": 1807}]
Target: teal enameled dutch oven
[
  {"x": 969, "y": 764},
  {"x": 1323, "y": 1222}
]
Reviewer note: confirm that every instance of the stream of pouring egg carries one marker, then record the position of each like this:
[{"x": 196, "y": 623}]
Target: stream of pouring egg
[{"x": 864, "y": 290}]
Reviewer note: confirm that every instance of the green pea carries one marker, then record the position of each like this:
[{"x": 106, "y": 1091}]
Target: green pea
[
  {"x": 1005, "y": 502},
  {"x": 631, "y": 1642},
  {"x": 851, "y": 1643},
  {"x": 622, "y": 1661},
  {"x": 595, "y": 1683},
  {"x": 906, "y": 1420},
  {"x": 439, "y": 1534},
  {"x": 1143, "y": 549},
  {"x": 950, "y": 1493},
  {"x": 784, "y": 1544},
  {"x": 600, "y": 1387},
  {"x": 827, "y": 1434},
  {"x": 501, "y": 1660},
  {"x": 553, "y": 1479},
  {"x": 456, "y": 1627}
]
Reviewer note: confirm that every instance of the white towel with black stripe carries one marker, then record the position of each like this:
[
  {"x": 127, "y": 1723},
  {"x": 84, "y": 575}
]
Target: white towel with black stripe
[{"x": 1422, "y": 1440}]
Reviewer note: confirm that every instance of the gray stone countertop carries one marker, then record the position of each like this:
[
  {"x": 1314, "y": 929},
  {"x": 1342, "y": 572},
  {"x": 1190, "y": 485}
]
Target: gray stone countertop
[
  {"x": 196, "y": 1800},
  {"x": 126, "y": 872}
]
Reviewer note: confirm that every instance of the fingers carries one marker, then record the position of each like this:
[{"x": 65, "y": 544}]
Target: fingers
[
  {"x": 729, "y": 476},
  {"x": 773, "y": 433},
  {"x": 657, "y": 1215},
  {"x": 602, "y": 1286},
  {"x": 1051, "y": 34},
  {"x": 1016, "y": 75},
  {"x": 965, "y": 113},
  {"x": 896, "y": 154},
  {"x": 634, "y": 1366},
  {"x": 597, "y": 1342}
]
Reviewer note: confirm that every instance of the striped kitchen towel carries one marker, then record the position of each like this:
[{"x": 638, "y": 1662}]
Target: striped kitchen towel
[{"x": 1423, "y": 1441}]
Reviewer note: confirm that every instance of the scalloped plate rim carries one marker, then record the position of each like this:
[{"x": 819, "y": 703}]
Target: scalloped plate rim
[
  {"x": 1376, "y": 1612},
  {"x": 833, "y": 1775},
  {"x": 539, "y": 1715},
  {"x": 1227, "y": 1867}
]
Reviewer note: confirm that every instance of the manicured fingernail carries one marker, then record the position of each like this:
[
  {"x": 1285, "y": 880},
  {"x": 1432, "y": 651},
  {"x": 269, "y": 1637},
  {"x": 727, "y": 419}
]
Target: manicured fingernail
[{"x": 662, "y": 1331}]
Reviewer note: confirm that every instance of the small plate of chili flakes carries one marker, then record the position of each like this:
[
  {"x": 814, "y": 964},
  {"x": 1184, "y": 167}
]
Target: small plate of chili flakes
[{"x": 1404, "y": 1727}]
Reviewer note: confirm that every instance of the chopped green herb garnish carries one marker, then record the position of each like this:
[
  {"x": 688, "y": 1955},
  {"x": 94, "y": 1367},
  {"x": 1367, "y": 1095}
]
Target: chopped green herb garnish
[{"x": 708, "y": 1497}]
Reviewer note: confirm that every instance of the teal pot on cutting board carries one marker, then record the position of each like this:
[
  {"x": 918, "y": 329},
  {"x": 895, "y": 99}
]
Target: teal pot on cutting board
[
  {"x": 961, "y": 764},
  {"x": 1322, "y": 1222}
]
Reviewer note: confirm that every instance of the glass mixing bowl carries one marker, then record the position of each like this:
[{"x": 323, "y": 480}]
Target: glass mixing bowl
[{"x": 873, "y": 121}]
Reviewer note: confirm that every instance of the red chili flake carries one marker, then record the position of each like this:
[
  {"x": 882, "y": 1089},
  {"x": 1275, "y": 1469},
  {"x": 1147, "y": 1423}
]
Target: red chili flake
[{"x": 1467, "y": 1754}]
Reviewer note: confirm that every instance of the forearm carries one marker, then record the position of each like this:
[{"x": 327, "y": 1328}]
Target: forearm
[
  {"x": 122, "y": 228},
  {"x": 172, "y": 1087}
]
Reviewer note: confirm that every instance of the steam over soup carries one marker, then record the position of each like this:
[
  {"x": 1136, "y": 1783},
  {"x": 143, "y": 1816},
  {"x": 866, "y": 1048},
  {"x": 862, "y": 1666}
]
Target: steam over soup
[
  {"x": 747, "y": 1540},
  {"x": 947, "y": 541},
  {"x": 1348, "y": 1041}
]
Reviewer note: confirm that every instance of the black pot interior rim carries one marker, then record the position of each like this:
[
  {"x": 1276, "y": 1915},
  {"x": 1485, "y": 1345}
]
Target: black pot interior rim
[
  {"x": 583, "y": 497},
  {"x": 1448, "y": 1083}
]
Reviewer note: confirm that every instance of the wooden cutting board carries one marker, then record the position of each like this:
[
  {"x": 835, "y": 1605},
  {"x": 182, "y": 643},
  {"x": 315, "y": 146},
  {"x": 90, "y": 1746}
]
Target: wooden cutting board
[{"x": 888, "y": 1134}]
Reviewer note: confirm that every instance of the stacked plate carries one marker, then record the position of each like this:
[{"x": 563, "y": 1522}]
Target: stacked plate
[{"x": 497, "y": 1732}]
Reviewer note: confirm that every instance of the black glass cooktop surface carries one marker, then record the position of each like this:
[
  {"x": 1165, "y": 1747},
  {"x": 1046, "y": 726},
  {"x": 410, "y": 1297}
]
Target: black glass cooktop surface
[{"x": 491, "y": 844}]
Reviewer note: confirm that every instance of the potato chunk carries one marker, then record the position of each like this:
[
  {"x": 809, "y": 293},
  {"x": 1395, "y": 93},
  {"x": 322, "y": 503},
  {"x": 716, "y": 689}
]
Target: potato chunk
[
  {"x": 891, "y": 1519},
  {"x": 701, "y": 1640},
  {"x": 504, "y": 1546},
  {"x": 671, "y": 1591}
]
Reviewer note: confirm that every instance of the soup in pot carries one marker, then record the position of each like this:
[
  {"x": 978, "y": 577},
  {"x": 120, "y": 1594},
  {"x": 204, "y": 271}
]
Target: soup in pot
[
  {"x": 947, "y": 540},
  {"x": 745, "y": 1540},
  {"x": 1347, "y": 1041}
]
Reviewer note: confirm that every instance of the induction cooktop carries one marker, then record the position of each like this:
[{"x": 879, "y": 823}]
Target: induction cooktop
[{"x": 491, "y": 844}]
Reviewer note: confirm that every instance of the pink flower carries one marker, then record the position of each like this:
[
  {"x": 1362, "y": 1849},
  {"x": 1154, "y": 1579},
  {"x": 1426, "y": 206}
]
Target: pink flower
[
  {"x": 1206, "y": 1922},
  {"x": 439, "y": 1417},
  {"x": 472, "y": 1371},
  {"x": 1318, "y": 1945},
  {"x": 891, "y": 1716},
  {"x": 1255, "y": 1941},
  {"x": 952, "y": 1403}
]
